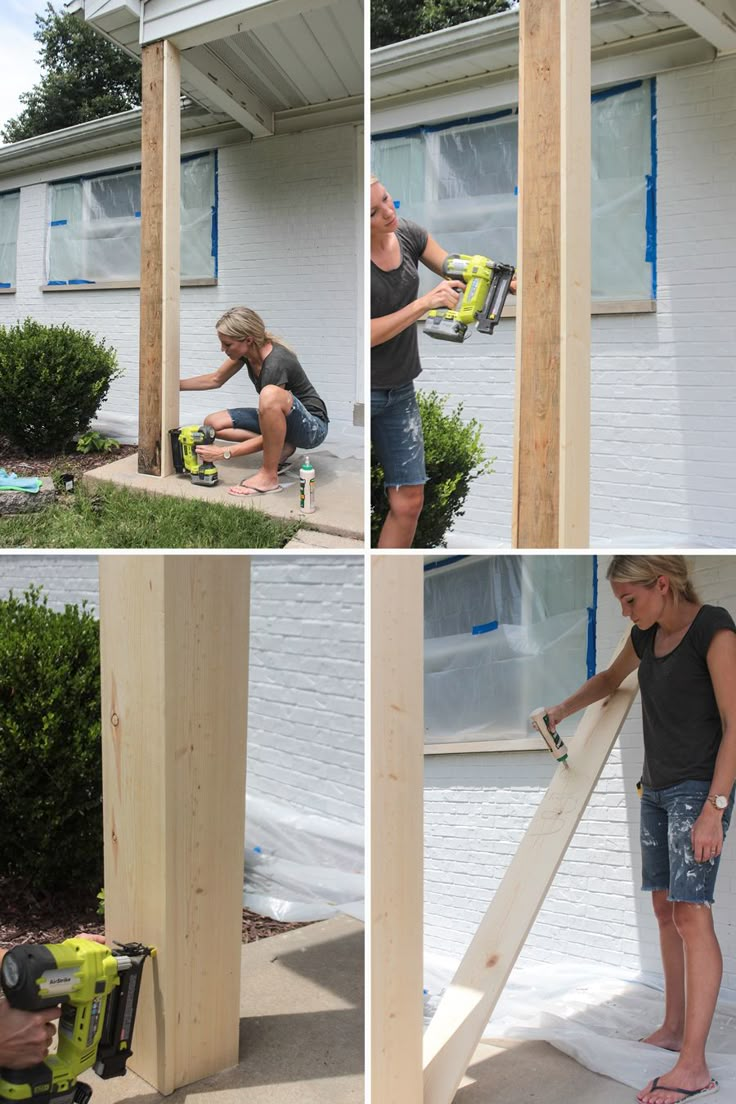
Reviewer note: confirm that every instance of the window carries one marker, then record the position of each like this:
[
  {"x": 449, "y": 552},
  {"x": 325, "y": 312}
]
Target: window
[
  {"x": 503, "y": 635},
  {"x": 94, "y": 225},
  {"x": 9, "y": 208},
  {"x": 460, "y": 180}
]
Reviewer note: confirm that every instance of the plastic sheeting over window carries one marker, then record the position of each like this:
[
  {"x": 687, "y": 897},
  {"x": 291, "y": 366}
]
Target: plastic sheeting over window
[
  {"x": 9, "y": 208},
  {"x": 503, "y": 635},
  {"x": 460, "y": 180},
  {"x": 95, "y": 225}
]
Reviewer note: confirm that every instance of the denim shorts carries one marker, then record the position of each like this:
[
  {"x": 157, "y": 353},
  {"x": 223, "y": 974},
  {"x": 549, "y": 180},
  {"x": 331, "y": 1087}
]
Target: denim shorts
[
  {"x": 668, "y": 861},
  {"x": 396, "y": 436},
  {"x": 303, "y": 430}
]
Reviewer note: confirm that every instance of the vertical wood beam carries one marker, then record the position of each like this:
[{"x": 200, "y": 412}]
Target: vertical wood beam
[
  {"x": 467, "y": 1004},
  {"x": 158, "y": 405},
  {"x": 396, "y": 803},
  {"x": 552, "y": 439},
  {"x": 174, "y": 650}
]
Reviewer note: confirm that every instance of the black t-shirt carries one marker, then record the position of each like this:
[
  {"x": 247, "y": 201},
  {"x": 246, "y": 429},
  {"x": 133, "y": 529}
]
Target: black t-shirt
[
  {"x": 682, "y": 723},
  {"x": 396, "y": 361},
  {"x": 282, "y": 369}
]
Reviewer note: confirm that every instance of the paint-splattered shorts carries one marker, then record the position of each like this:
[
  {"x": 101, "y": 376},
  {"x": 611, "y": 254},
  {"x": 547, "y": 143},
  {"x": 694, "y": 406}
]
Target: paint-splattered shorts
[
  {"x": 396, "y": 436},
  {"x": 668, "y": 860},
  {"x": 303, "y": 429}
]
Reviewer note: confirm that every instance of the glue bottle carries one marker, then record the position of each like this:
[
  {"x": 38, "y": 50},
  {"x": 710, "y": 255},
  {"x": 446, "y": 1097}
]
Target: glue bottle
[
  {"x": 554, "y": 742},
  {"x": 306, "y": 488}
]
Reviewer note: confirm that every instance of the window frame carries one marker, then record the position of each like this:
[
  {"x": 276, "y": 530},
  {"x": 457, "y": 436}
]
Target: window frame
[{"x": 10, "y": 288}]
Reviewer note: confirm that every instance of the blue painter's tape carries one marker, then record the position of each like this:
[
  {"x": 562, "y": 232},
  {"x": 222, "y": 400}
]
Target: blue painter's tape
[
  {"x": 136, "y": 214},
  {"x": 56, "y": 283},
  {"x": 488, "y": 627},
  {"x": 82, "y": 281},
  {"x": 215, "y": 215},
  {"x": 651, "y": 254},
  {"x": 6, "y": 285},
  {"x": 468, "y": 120},
  {"x": 606, "y": 93},
  {"x": 444, "y": 562},
  {"x": 58, "y": 222},
  {"x": 590, "y": 659}
]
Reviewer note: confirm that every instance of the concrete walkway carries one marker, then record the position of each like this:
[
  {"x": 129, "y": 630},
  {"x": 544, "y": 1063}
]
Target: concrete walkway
[
  {"x": 507, "y": 1072},
  {"x": 339, "y": 495},
  {"x": 301, "y": 1032}
]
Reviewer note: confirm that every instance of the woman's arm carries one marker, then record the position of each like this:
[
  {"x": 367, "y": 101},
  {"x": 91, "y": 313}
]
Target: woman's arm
[
  {"x": 707, "y": 835},
  {"x": 445, "y": 295},
  {"x": 209, "y": 381},
  {"x": 242, "y": 448},
  {"x": 599, "y": 686}
]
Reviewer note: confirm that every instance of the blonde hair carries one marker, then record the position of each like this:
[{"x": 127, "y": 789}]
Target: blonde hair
[
  {"x": 645, "y": 570},
  {"x": 374, "y": 179},
  {"x": 242, "y": 322}
]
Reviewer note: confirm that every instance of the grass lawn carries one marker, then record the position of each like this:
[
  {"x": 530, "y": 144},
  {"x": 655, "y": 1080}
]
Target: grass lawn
[{"x": 113, "y": 517}]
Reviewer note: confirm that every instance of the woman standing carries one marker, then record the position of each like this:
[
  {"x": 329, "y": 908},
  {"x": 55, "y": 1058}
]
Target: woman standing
[
  {"x": 290, "y": 413},
  {"x": 397, "y": 246},
  {"x": 685, "y": 653}
]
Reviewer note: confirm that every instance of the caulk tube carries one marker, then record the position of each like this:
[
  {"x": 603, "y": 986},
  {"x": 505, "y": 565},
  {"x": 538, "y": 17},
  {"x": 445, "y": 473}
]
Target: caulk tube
[{"x": 551, "y": 737}]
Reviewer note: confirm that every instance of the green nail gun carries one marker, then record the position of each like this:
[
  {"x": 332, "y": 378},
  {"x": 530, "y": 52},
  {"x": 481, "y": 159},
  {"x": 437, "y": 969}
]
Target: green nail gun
[
  {"x": 184, "y": 441},
  {"x": 487, "y": 284},
  {"x": 97, "y": 989}
]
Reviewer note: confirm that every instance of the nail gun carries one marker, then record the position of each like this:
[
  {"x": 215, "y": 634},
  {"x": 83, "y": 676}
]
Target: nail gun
[
  {"x": 98, "y": 992},
  {"x": 184, "y": 441},
  {"x": 486, "y": 287}
]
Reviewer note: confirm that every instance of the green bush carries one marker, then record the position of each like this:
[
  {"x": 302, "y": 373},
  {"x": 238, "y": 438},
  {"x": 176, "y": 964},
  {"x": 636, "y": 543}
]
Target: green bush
[
  {"x": 50, "y": 761},
  {"x": 454, "y": 457},
  {"x": 53, "y": 380}
]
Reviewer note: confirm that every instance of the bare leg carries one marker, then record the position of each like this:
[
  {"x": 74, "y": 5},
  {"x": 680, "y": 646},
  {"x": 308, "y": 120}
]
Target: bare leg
[
  {"x": 404, "y": 507},
  {"x": 669, "y": 1035},
  {"x": 223, "y": 426},
  {"x": 703, "y": 971},
  {"x": 273, "y": 409}
]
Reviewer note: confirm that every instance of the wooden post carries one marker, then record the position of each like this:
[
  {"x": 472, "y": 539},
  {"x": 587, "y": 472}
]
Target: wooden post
[
  {"x": 466, "y": 1006},
  {"x": 397, "y": 738},
  {"x": 174, "y": 644},
  {"x": 158, "y": 407},
  {"x": 552, "y": 438}
]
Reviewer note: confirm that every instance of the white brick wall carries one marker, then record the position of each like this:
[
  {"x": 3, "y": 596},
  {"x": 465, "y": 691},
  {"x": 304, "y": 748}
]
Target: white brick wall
[
  {"x": 289, "y": 213},
  {"x": 305, "y": 716},
  {"x": 477, "y": 808},
  {"x": 663, "y": 401}
]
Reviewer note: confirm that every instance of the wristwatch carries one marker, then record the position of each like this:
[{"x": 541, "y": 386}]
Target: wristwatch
[
  {"x": 226, "y": 454},
  {"x": 718, "y": 801}
]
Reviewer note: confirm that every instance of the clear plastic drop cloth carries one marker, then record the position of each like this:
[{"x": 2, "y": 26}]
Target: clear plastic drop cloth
[
  {"x": 503, "y": 635},
  {"x": 594, "y": 1013},
  {"x": 299, "y": 866},
  {"x": 9, "y": 209}
]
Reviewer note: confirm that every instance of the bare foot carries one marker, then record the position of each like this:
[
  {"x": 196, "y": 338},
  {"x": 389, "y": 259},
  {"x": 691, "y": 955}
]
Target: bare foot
[
  {"x": 664, "y": 1038},
  {"x": 675, "y": 1086}
]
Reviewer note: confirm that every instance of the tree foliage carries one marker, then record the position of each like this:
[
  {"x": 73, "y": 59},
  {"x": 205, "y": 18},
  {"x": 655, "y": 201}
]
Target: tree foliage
[
  {"x": 392, "y": 21},
  {"x": 83, "y": 77}
]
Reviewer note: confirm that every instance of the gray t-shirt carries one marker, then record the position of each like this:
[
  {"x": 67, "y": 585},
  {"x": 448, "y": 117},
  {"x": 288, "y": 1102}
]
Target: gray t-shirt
[
  {"x": 282, "y": 369},
  {"x": 396, "y": 361},
  {"x": 682, "y": 722}
]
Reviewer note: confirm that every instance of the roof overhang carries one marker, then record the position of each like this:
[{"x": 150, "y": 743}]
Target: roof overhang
[
  {"x": 474, "y": 67},
  {"x": 270, "y": 65}
]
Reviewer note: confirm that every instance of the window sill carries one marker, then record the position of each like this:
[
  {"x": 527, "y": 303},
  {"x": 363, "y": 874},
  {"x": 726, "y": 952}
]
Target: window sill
[
  {"x": 528, "y": 743},
  {"x": 604, "y": 306},
  {"x": 117, "y": 285},
  {"x": 7, "y": 291}
]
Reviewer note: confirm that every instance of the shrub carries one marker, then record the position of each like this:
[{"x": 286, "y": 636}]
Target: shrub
[
  {"x": 50, "y": 761},
  {"x": 454, "y": 457},
  {"x": 53, "y": 380}
]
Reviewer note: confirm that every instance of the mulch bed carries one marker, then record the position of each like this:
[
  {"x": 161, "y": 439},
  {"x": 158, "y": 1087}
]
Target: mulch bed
[
  {"x": 15, "y": 459},
  {"x": 24, "y": 918}
]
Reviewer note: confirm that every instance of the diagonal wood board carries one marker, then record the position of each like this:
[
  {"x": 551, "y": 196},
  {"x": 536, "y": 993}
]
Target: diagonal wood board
[{"x": 466, "y": 1006}]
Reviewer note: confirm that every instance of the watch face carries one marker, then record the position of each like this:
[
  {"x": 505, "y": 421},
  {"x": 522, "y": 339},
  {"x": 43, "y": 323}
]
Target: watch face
[
  {"x": 226, "y": 454},
  {"x": 721, "y": 801}
]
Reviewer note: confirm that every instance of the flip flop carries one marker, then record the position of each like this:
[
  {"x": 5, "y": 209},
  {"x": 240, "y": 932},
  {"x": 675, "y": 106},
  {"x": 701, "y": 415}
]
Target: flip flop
[
  {"x": 284, "y": 466},
  {"x": 249, "y": 491},
  {"x": 687, "y": 1094}
]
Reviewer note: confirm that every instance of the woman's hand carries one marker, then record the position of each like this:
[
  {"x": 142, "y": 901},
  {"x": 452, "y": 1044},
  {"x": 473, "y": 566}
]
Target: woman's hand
[
  {"x": 555, "y": 714},
  {"x": 209, "y": 452},
  {"x": 513, "y": 285},
  {"x": 707, "y": 834},
  {"x": 25, "y": 1037},
  {"x": 444, "y": 296}
]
